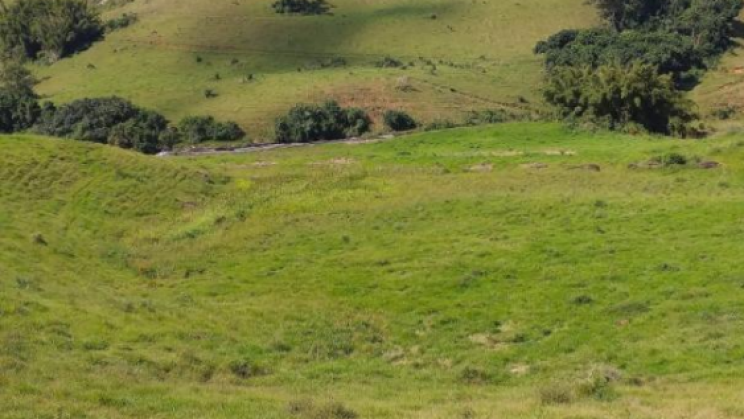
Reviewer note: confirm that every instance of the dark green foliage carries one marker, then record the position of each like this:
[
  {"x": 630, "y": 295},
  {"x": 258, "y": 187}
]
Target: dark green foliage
[
  {"x": 707, "y": 22},
  {"x": 301, "y": 7},
  {"x": 670, "y": 52},
  {"x": 399, "y": 120},
  {"x": 198, "y": 129},
  {"x": 17, "y": 79},
  {"x": 49, "y": 29},
  {"x": 677, "y": 36},
  {"x": 629, "y": 14},
  {"x": 107, "y": 121},
  {"x": 123, "y": 21},
  {"x": 141, "y": 133},
  {"x": 618, "y": 97},
  {"x": 306, "y": 123},
  {"x": 17, "y": 112}
]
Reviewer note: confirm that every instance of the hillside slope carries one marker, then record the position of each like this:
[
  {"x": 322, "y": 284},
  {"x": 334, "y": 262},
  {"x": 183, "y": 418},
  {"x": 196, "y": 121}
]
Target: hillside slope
[
  {"x": 724, "y": 86},
  {"x": 459, "y": 56},
  {"x": 481, "y": 273}
]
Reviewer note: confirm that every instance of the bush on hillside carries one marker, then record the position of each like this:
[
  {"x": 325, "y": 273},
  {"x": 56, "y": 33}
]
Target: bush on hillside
[
  {"x": 618, "y": 96},
  {"x": 198, "y": 129},
  {"x": 301, "y": 7},
  {"x": 109, "y": 120},
  {"x": 399, "y": 120},
  {"x": 141, "y": 133},
  {"x": 49, "y": 29},
  {"x": 329, "y": 121},
  {"x": 18, "y": 112},
  {"x": 121, "y": 22}
]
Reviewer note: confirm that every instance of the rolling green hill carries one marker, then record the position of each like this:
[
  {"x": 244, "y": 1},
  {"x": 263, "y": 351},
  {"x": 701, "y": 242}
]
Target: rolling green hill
[
  {"x": 520, "y": 270},
  {"x": 460, "y": 55}
]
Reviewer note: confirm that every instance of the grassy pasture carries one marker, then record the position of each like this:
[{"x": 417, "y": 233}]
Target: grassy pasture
[
  {"x": 481, "y": 54},
  {"x": 441, "y": 275}
]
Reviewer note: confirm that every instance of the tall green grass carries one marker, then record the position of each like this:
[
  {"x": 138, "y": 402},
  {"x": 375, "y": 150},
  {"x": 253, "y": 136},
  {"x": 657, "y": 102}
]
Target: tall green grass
[{"x": 438, "y": 275}]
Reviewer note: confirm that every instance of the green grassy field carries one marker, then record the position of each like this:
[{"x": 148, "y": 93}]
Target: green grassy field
[
  {"x": 474, "y": 55},
  {"x": 441, "y": 275}
]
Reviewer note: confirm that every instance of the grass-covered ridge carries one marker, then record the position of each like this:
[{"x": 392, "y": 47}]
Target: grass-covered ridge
[{"x": 469, "y": 273}]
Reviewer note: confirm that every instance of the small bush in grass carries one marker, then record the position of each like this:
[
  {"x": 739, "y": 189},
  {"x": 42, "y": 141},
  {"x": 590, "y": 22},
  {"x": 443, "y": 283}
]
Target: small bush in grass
[
  {"x": 556, "y": 393},
  {"x": 389, "y": 62},
  {"x": 474, "y": 376},
  {"x": 198, "y": 129},
  {"x": 301, "y": 7},
  {"x": 599, "y": 383},
  {"x": 306, "y": 409},
  {"x": 671, "y": 159},
  {"x": 329, "y": 121},
  {"x": 121, "y": 22},
  {"x": 399, "y": 120},
  {"x": 245, "y": 368}
]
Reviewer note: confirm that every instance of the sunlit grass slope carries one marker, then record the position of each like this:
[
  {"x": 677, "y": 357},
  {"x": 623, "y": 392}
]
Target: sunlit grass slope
[
  {"x": 724, "y": 86},
  {"x": 441, "y": 275},
  {"x": 464, "y": 54}
]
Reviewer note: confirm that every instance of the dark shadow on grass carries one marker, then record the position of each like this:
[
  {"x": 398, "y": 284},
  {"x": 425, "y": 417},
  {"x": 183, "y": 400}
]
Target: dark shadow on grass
[{"x": 290, "y": 41}]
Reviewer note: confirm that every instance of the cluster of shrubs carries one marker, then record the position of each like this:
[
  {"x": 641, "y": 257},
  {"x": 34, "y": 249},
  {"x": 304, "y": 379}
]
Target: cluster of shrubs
[
  {"x": 47, "y": 29},
  {"x": 111, "y": 120},
  {"x": 661, "y": 44},
  {"x": 301, "y": 7},
  {"x": 328, "y": 121}
]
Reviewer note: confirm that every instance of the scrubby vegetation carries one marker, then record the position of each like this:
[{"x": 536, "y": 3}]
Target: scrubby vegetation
[
  {"x": 676, "y": 38},
  {"x": 198, "y": 129},
  {"x": 399, "y": 121},
  {"x": 17, "y": 112},
  {"x": 47, "y": 29},
  {"x": 301, "y": 7},
  {"x": 632, "y": 98},
  {"x": 329, "y": 121},
  {"x": 112, "y": 120},
  {"x": 121, "y": 22},
  {"x": 19, "y": 107}
]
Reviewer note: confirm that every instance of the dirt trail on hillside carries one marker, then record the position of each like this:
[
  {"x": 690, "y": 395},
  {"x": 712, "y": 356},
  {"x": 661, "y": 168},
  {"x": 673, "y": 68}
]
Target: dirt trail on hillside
[{"x": 252, "y": 148}]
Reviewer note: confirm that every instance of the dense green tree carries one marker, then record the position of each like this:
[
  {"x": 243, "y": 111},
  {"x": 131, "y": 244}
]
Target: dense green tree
[
  {"x": 306, "y": 123},
  {"x": 48, "y": 29},
  {"x": 197, "y": 129},
  {"x": 630, "y": 14},
  {"x": 399, "y": 120},
  {"x": 16, "y": 79},
  {"x": 670, "y": 52},
  {"x": 18, "y": 112},
  {"x": 619, "y": 96}
]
